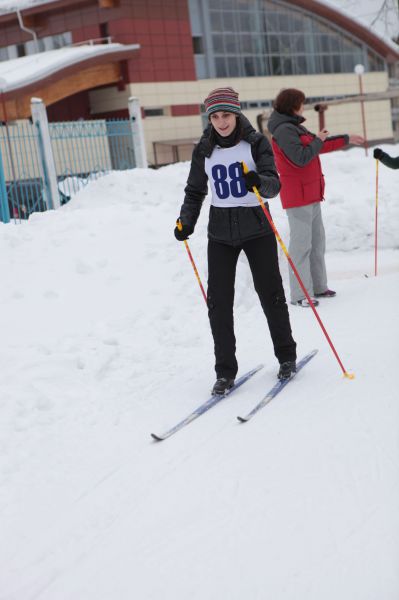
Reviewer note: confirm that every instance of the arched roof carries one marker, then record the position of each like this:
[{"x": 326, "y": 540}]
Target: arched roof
[{"x": 385, "y": 49}]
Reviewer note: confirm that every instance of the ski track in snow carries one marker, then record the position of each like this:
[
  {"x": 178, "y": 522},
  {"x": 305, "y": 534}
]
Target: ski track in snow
[{"x": 105, "y": 338}]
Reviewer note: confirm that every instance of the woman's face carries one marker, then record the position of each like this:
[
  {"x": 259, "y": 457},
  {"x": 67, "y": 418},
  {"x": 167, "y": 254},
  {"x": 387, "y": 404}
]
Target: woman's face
[
  {"x": 223, "y": 122},
  {"x": 300, "y": 110}
]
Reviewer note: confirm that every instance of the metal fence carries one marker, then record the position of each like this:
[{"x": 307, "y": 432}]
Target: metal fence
[
  {"x": 42, "y": 165},
  {"x": 21, "y": 174},
  {"x": 85, "y": 150}
]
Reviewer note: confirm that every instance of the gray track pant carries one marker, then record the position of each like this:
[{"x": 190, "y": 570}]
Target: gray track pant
[{"x": 307, "y": 247}]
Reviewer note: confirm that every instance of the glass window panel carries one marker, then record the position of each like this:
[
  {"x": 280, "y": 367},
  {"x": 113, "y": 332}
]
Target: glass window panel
[
  {"x": 231, "y": 44},
  {"x": 298, "y": 24},
  {"x": 316, "y": 61},
  {"x": 349, "y": 45},
  {"x": 321, "y": 28},
  {"x": 335, "y": 45},
  {"x": 223, "y": 4},
  {"x": 275, "y": 65},
  {"x": 376, "y": 63},
  {"x": 244, "y": 5},
  {"x": 348, "y": 63},
  {"x": 288, "y": 68},
  {"x": 246, "y": 22},
  {"x": 3, "y": 54},
  {"x": 12, "y": 52},
  {"x": 216, "y": 21},
  {"x": 262, "y": 66},
  {"x": 271, "y": 22},
  {"x": 324, "y": 43},
  {"x": 218, "y": 46},
  {"x": 201, "y": 67},
  {"x": 21, "y": 51},
  {"x": 285, "y": 44},
  {"x": 220, "y": 67},
  {"x": 228, "y": 21},
  {"x": 326, "y": 64},
  {"x": 336, "y": 63},
  {"x": 298, "y": 43},
  {"x": 284, "y": 22},
  {"x": 246, "y": 43},
  {"x": 198, "y": 45},
  {"x": 61, "y": 40},
  {"x": 233, "y": 66},
  {"x": 358, "y": 56},
  {"x": 274, "y": 44},
  {"x": 258, "y": 44},
  {"x": 249, "y": 66},
  {"x": 301, "y": 65}
]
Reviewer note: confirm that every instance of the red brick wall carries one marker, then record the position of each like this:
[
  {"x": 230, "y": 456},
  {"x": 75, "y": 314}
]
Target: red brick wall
[
  {"x": 185, "y": 110},
  {"x": 162, "y": 28}
]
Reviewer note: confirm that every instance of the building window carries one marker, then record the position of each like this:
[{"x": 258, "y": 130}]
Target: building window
[
  {"x": 198, "y": 45},
  {"x": 21, "y": 50},
  {"x": 248, "y": 38},
  {"x": 154, "y": 112},
  {"x": 104, "y": 32},
  {"x": 3, "y": 54}
]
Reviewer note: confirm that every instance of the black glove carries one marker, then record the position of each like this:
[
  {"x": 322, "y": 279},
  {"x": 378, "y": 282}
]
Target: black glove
[
  {"x": 183, "y": 233},
  {"x": 252, "y": 179},
  {"x": 377, "y": 153}
]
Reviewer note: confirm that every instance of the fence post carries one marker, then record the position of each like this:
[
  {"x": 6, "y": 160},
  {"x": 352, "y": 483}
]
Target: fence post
[
  {"x": 49, "y": 174},
  {"x": 4, "y": 208},
  {"x": 136, "y": 124}
]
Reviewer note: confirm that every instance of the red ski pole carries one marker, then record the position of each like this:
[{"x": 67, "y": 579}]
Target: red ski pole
[
  {"x": 293, "y": 267},
  {"x": 180, "y": 227}
]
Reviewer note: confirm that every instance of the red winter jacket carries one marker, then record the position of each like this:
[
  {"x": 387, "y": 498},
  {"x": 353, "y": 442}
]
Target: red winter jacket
[{"x": 296, "y": 152}]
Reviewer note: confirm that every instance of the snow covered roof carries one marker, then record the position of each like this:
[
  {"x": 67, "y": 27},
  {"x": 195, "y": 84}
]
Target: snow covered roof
[{"x": 28, "y": 70}]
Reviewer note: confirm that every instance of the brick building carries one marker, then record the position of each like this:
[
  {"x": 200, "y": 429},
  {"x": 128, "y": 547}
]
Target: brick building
[{"x": 174, "y": 51}]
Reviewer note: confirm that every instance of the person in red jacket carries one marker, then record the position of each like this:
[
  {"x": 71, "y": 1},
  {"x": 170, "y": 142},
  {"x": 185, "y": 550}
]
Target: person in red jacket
[{"x": 296, "y": 151}]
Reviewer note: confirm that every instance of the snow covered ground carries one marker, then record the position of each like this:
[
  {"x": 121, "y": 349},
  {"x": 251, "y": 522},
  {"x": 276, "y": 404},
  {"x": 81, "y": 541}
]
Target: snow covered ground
[{"x": 105, "y": 338}]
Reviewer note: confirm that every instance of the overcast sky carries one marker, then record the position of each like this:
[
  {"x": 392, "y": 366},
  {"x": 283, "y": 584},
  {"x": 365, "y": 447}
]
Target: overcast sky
[{"x": 367, "y": 11}]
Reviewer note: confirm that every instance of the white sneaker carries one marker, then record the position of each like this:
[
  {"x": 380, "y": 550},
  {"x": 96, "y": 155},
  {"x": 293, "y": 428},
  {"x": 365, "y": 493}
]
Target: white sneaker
[{"x": 305, "y": 303}]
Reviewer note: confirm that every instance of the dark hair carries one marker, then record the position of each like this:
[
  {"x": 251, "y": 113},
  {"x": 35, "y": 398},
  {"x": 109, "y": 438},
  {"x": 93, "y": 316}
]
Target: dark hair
[{"x": 289, "y": 101}]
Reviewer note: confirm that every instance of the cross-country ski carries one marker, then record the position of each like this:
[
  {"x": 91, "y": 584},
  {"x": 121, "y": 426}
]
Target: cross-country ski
[
  {"x": 277, "y": 388},
  {"x": 203, "y": 408}
]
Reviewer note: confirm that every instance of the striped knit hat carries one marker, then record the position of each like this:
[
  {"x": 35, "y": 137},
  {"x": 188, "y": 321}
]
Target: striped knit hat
[{"x": 223, "y": 99}]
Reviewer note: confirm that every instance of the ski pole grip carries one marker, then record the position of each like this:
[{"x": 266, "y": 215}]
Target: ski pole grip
[{"x": 179, "y": 225}]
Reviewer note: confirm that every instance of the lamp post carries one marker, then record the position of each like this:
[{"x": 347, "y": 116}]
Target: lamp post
[{"x": 359, "y": 70}]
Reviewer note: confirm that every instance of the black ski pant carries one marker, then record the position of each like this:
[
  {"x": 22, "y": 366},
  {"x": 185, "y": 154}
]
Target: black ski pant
[{"x": 263, "y": 261}]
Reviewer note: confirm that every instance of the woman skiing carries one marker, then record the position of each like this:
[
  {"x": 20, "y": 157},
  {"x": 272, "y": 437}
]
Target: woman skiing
[
  {"x": 236, "y": 222},
  {"x": 296, "y": 151}
]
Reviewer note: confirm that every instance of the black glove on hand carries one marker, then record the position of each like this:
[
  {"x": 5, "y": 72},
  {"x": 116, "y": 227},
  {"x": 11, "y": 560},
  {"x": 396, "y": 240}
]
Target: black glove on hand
[
  {"x": 183, "y": 233},
  {"x": 252, "y": 179},
  {"x": 377, "y": 153}
]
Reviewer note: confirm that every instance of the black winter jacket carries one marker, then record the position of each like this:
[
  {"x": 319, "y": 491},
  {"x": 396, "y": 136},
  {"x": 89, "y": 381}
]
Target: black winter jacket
[
  {"x": 231, "y": 225},
  {"x": 389, "y": 161}
]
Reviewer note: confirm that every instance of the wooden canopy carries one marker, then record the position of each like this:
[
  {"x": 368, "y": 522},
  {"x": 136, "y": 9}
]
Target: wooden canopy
[{"x": 87, "y": 74}]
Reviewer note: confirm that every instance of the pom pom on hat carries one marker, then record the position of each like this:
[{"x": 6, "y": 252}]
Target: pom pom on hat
[{"x": 222, "y": 99}]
